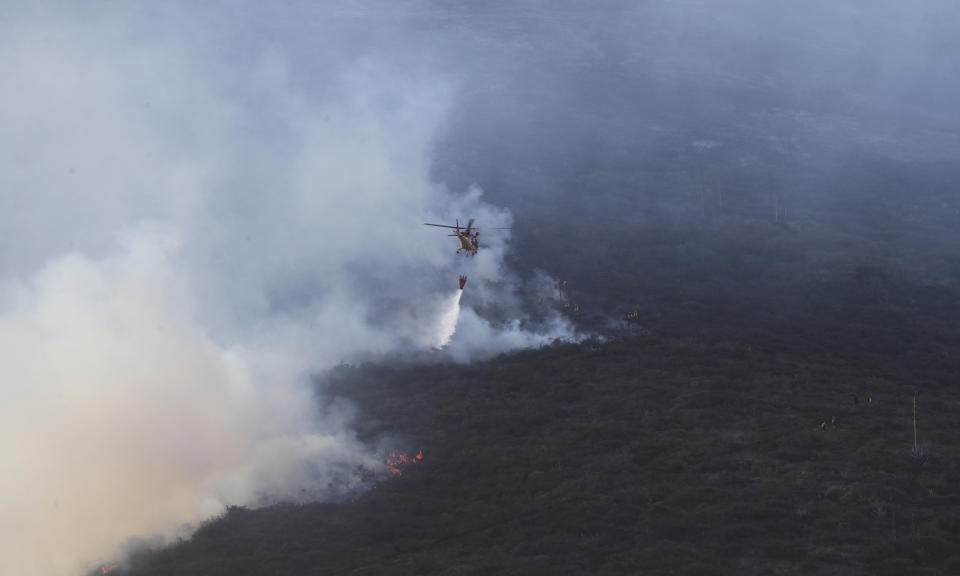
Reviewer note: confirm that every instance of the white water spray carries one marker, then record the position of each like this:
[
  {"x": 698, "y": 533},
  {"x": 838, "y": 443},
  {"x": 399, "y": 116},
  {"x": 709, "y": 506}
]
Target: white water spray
[{"x": 448, "y": 322}]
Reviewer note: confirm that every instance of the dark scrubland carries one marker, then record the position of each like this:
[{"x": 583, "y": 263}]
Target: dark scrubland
[{"x": 688, "y": 440}]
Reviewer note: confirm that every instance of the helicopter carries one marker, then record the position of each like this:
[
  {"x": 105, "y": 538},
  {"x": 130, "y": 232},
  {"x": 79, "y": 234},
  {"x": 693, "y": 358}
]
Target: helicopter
[{"x": 468, "y": 237}]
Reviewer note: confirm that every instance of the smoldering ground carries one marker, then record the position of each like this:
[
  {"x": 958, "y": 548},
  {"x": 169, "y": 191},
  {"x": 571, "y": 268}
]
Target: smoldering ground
[{"x": 188, "y": 238}]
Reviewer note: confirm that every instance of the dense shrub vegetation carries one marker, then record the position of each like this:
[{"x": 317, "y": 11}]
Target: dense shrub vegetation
[{"x": 755, "y": 417}]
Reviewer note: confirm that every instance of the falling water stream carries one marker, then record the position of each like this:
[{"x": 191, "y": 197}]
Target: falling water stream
[{"x": 448, "y": 321}]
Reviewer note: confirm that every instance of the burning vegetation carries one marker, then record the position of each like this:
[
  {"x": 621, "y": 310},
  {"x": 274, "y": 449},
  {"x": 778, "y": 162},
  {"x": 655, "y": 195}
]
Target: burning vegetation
[{"x": 397, "y": 461}]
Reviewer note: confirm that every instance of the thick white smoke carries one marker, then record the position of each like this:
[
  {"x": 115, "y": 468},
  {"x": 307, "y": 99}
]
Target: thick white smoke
[
  {"x": 187, "y": 237},
  {"x": 121, "y": 416}
]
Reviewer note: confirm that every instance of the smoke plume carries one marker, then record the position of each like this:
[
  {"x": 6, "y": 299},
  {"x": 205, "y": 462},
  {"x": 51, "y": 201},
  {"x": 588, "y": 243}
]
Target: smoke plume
[{"x": 188, "y": 235}]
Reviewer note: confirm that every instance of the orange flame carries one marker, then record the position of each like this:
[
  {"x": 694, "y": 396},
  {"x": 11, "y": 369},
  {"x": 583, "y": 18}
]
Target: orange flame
[
  {"x": 107, "y": 569},
  {"x": 398, "y": 460}
]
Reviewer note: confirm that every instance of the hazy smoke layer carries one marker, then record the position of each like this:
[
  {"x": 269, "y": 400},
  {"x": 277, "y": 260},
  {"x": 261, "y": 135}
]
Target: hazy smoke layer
[{"x": 187, "y": 235}]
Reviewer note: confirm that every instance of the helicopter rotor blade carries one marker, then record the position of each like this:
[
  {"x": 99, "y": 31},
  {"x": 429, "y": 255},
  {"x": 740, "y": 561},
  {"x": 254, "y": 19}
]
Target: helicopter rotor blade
[{"x": 459, "y": 227}]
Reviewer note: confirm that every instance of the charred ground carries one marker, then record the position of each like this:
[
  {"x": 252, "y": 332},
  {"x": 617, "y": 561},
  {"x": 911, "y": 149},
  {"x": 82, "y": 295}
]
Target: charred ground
[{"x": 690, "y": 439}]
